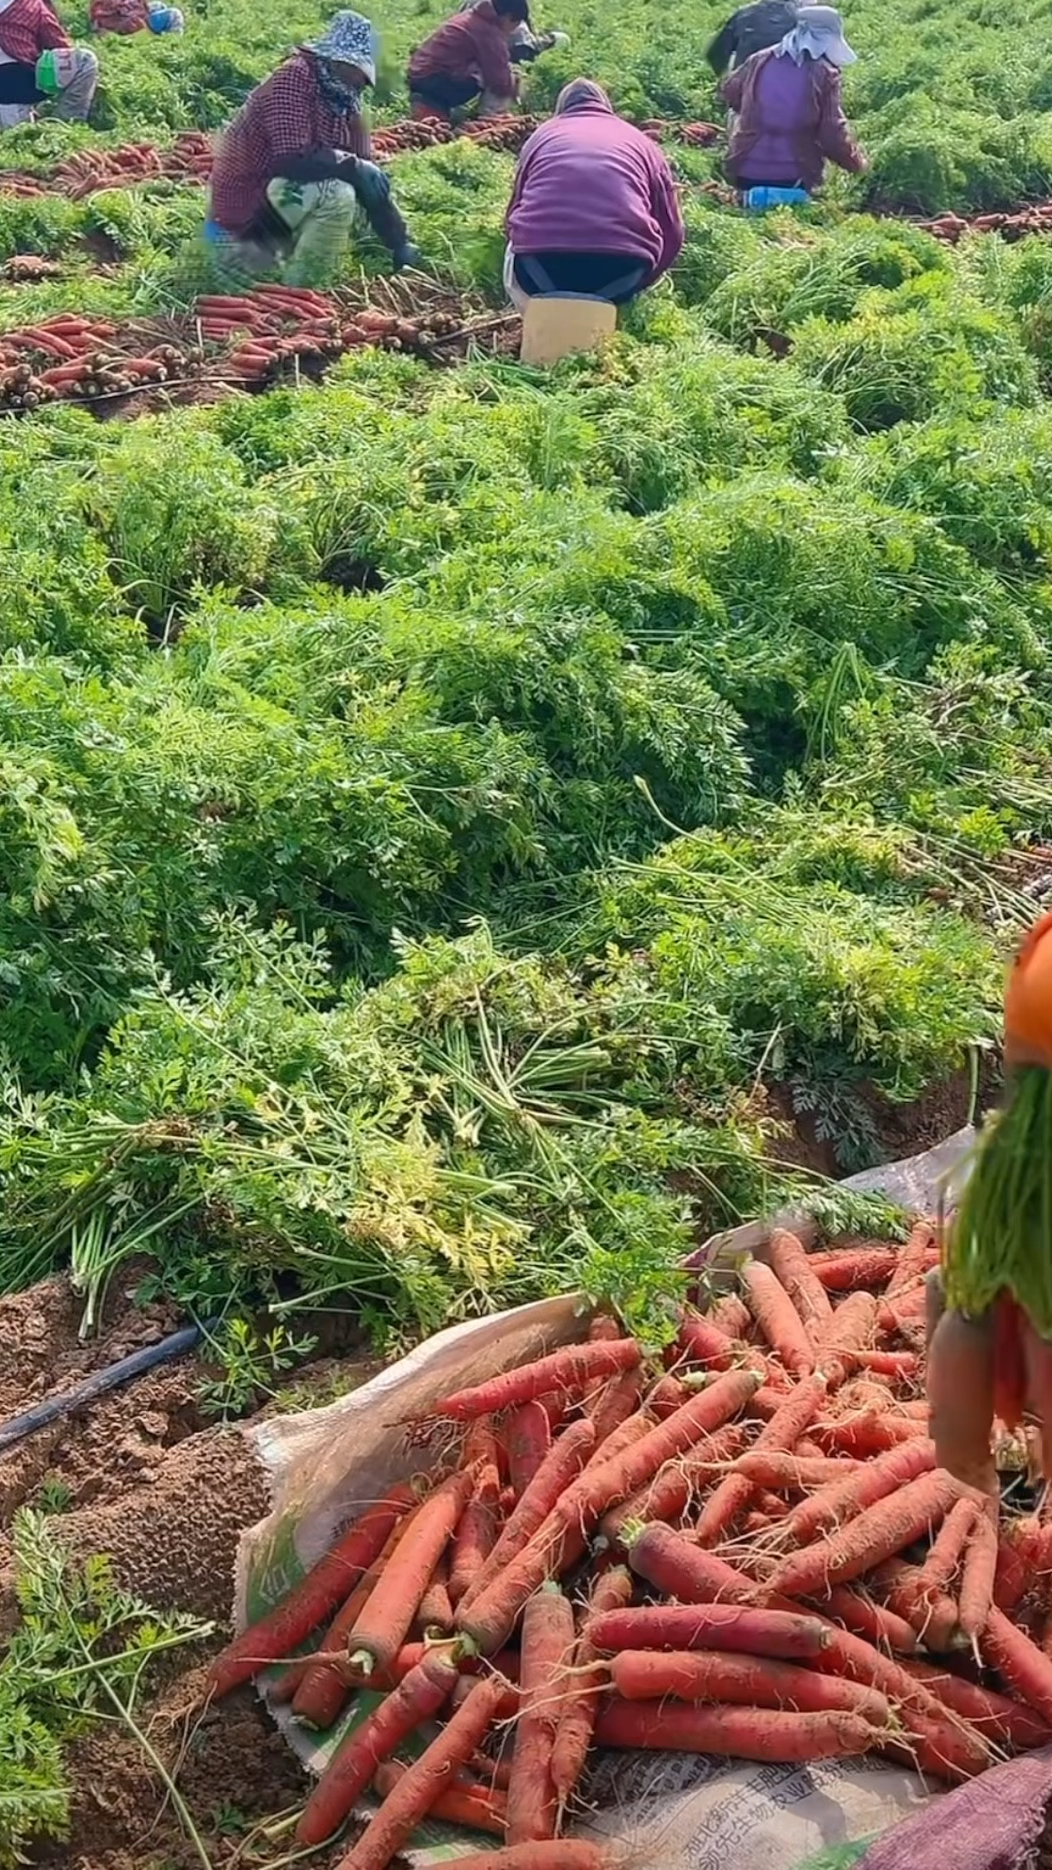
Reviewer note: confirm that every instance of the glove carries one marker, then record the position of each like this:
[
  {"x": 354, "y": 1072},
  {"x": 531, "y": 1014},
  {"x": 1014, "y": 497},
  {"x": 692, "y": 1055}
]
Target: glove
[
  {"x": 407, "y": 255},
  {"x": 371, "y": 183}
]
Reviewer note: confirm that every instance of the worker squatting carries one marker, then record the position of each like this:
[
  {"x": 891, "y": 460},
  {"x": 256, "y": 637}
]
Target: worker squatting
[{"x": 594, "y": 211}]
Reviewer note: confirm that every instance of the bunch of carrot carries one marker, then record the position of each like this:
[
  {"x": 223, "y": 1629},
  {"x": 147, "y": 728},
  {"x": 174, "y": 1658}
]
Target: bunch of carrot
[{"x": 751, "y": 1553}]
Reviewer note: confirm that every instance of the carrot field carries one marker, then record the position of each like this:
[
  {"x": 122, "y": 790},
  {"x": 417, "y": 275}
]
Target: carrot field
[{"x": 467, "y": 833}]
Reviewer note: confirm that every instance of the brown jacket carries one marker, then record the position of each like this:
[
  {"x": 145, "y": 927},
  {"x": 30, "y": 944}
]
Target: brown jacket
[{"x": 789, "y": 121}]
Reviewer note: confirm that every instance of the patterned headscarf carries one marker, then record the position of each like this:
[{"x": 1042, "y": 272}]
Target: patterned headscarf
[{"x": 350, "y": 40}]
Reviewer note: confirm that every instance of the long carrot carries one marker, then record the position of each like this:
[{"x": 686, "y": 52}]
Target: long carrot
[
  {"x": 313, "y": 1598},
  {"x": 477, "y": 1808},
  {"x": 615, "y": 1403},
  {"x": 1027, "y": 1671},
  {"x": 1002, "y": 1720},
  {"x": 563, "y": 1854},
  {"x": 567, "y": 1371},
  {"x": 672, "y": 1489},
  {"x": 876, "y": 1534},
  {"x": 786, "y": 1635},
  {"x": 910, "y": 1268},
  {"x": 527, "y": 1437},
  {"x": 547, "y": 1652},
  {"x": 831, "y": 1506},
  {"x": 791, "y": 1473},
  {"x": 429, "y": 1776},
  {"x": 324, "y": 1684},
  {"x": 424, "y": 1691},
  {"x": 435, "y": 1612},
  {"x": 858, "y": 1266},
  {"x": 476, "y": 1533},
  {"x": 781, "y": 1434},
  {"x": 701, "y": 1342},
  {"x": 387, "y": 1618},
  {"x": 933, "y": 1614},
  {"x": 560, "y": 1466},
  {"x": 850, "y": 1330},
  {"x": 756, "y": 1681},
  {"x": 777, "y": 1318},
  {"x": 944, "y": 1554},
  {"x": 875, "y": 1622},
  {"x": 793, "y": 1267},
  {"x": 612, "y": 1591},
  {"x": 941, "y": 1743},
  {"x": 975, "y": 1594},
  {"x": 733, "y": 1733}
]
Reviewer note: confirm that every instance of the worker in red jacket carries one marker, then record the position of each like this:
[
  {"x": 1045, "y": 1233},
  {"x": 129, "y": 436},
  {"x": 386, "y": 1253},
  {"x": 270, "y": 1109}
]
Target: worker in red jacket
[
  {"x": 292, "y": 171},
  {"x": 468, "y": 57},
  {"x": 40, "y": 64}
]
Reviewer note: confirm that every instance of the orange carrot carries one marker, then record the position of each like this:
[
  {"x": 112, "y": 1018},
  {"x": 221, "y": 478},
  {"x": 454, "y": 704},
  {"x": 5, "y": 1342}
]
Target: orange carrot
[
  {"x": 932, "y": 1614},
  {"x": 561, "y": 1466},
  {"x": 478, "y": 1808},
  {"x": 527, "y": 1437},
  {"x": 436, "y": 1610},
  {"x": 547, "y": 1652},
  {"x": 1026, "y": 1670},
  {"x": 671, "y": 1490},
  {"x": 791, "y": 1473},
  {"x": 387, "y": 1617},
  {"x": 566, "y": 1370},
  {"x": 777, "y": 1318},
  {"x": 614, "y": 1403},
  {"x": 564, "y": 1854},
  {"x": 780, "y": 1436},
  {"x": 859, "y": 1266},
  {"x": 792, "y": 1266},
  {"x": 429, "y": 1776},
  {"x": 876, "y": 1534},
  {"x": 612, "y": 1591},
  {"x": 666, "y": 1397},
  {"x": 476, "y": 1533},
  {"x": 889, "y": 1363},
  {"x": 978, "y": 1569},
  {"x": 875, "y": 1481},
  {"x": 308, "y": 1602},
  {"x": 324, "y": 1684},
  {"x": 850, "y": 1330},
  {"x": 702, "y": 1343},
  {"x": 719, "y": 1675},
  {"x": 787, "y": 1635},
  {"x": 424, "y": 1691},
  {"x": 733, "y": 1733},
  {"x": 944, "y": 1555},
  {"x": 870, "y": 1433},
  {"x": 1000, "y": 1719},
  {"x": 874, "y": 1622}
]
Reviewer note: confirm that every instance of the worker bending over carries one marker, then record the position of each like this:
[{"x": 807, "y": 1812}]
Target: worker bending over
[
  {"x": 751, "y": 29},
  {"x": 525, "y": 45},
  {"x": 292, "y": 170},
  {"x": 40, "y": 64},
  {"x": 469, "y": 57},
  {"x": 789, "y": 119},
  {"x": 593, "y": 213},
  {"x": 126, "y": 17}
]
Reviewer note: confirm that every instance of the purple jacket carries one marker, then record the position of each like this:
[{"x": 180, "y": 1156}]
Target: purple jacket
[
  {"x": 588, "y": 182},
  {"x": 790, "y": 120}
]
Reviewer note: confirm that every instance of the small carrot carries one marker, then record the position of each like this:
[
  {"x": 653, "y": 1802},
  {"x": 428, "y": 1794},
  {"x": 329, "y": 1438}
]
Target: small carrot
[
  {"x": 895, "y": 1364},
  {"x": 792, "y": 1266},
  {"x": 733, "y": 1733},
  {"x": 611, "y": 1591},
  {"x": 547, "y": 1652},
  {"x": 859, "y": 1266},
  {"x": 387, "y": 1617},
  {"x": 614, "y": 1403},
  {"x": 702, "y": 1343},
  {"x": 430, "y": 1775},
  {"x": 876, "y": 1534},
  {"x": 792, "y": 1473},
  {"x": 527, "y": 1437},
  {"x": 566, "y": 1370},
  {"x": 477, "y": 1808},
  {"x": 787, "y": 1635},
  {"x": 850, "y": 1330},
  {"x": 313, "y": 1598},
  {"x": 424, "y": 1691},
  {"x": 756, "y": 1681},
  {"x": 777, "y": 1318}
]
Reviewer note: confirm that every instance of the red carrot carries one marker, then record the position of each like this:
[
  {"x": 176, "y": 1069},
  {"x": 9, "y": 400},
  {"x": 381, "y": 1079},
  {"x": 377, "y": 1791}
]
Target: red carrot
[
  {"x": 791, "y": 1473},
  {"x": 547, "y": 1652},
  {"x": 476, "y": 1533},
  {"x": 875, "y": 1622},
  {"x": 324, "y": 1683},
  {"x": 666, "y": 1397},
  {"x": 563, "y": 1854},
  {"x": 850, "y": 1330},
  {"x": 942, "y": 1744},
  {"x": 424, "y": 1691},
  {"x": 975, "y": 1594},
  {"x": 702, "y": 1343},
  {"x": 563, "y": 1463},
  {"x": 733, "y": 1733},
  {"x": 932, "y": 1614},
  {"x": 430, "y": 1775},
  {"x": 615, "y": 1403},
  {"x": 780, "y": 1436},
  {"x": 1025, "y": 1668},
  {"x": 997, "y": 1717},
  {"x": 867, "y": 1434},
  {"x": 788, "y": 1635},
  {"x": 832, "y": 1505},
  {"x": 793, "y": 1267},
  {"x": 756, "y": 1681},
  {"x": 527, "y": 1437},
  {"x": 387, "y": 1617},
  {"x": 478, "y": 1808},
  {"x": 671, "y": 1490},
  {"x": 313, "y": 1598},
  {"x": 436, "y": 1609},
  {"x": 895, "y": 1364},
  {"x": 777, "y": 1317},
  {"x": 859, "y": 1266},
  {"x": 612, "y": 1591},
  {"x": 730, "y": 1315},
  {"x": 876, "y": 1534},
  {"x": 566, "y": 1370},
  {"x": 910, "y": 1268}
]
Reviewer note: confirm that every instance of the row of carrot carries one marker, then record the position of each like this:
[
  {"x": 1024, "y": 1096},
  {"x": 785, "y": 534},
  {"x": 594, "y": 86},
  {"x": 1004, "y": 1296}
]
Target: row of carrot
[{"x": 752, "y": 1553}]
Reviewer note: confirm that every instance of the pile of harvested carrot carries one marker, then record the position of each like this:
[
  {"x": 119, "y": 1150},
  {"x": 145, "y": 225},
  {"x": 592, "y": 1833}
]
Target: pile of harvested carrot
[{"x": 751, "y": 1553}]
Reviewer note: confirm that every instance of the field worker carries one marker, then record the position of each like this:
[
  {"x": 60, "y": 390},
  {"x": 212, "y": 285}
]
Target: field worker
[
  {"x": 40, "y": 64},
  {"x": 789, "y": 119},
  {"x": 468, "y": 57},
  {"x": 525, "y": 45},
  {"x": 593, "y": 213},
  {"x": 130, "y": 16},
  {"x": 751, "y": 29},
  {"x": 292, "y": 170}
]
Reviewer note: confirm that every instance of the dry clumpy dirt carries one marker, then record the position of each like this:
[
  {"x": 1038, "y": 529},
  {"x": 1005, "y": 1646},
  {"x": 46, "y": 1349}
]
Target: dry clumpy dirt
[{"x": 144, "y": 1476}]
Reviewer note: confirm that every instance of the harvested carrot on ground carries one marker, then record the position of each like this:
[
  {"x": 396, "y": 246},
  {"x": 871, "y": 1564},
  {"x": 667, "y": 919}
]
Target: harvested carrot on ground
[
  {"x": 874, "y": 1481},
  {"x": 876, "y": 1534},
  {"x": 617, "y": 1400},
  {"x": 875, "y": 1622},
  {"x": 576, "y": 1729},
  {"x": 849, "y": 1331},
  {"x": 700, "y": 1342},
  {"x": 566, "y": 1371},
  {"x": 1005, "y": 1722},
  {"x": 786, "y": 1635},
  {"x": 435, "y": 1614},
  {"x": 1024, "y": 1667},
  {"x": 429, "y": 1776},
  {"x": 781, "y": 1434},
  {"x": 910, "y": 1268},
  {"x": 730, "y": 1314},
  {"x": 933, "y": 1614},
  {"x": 975, "y": 1593},
  {"x": 791, "y": 1473},
  {"x": 527, "y": 1437},
  {"x": 547, "y": 1655},
  {"x": 733, "y": 1732},
  {"x": 477, "y": 1808},
  {"x": 755, "y": 1681},
  {"x": 325, "y": 1684},
  {"x": 387, "y": 1618},
  {"x": 313, "y": 1598},
  {"x": 563, "y": 1463},
  {"x": 792, "y": 1265},
  {"x": 777, "y": 1317},
  {"x": 476, "y": 1533},
  {"x": 855, "y": 1267},
  {"x": 417, "y": 1699},
  {"x": 672, "y": 1489}
]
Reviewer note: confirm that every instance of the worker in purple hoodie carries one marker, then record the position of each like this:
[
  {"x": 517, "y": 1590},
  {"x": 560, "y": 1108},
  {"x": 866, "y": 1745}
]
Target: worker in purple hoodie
[
  {"x": 788, "y": 118},
  {"x": 593, "y": 213}
]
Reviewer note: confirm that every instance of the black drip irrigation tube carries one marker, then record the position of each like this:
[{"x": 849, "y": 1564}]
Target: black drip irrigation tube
[{"x": 178, "y": 1344}]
